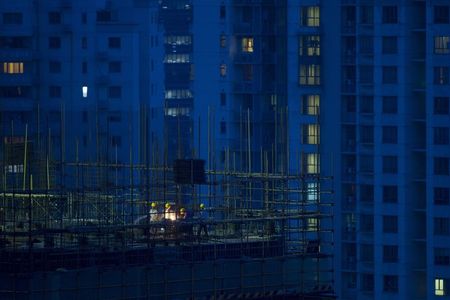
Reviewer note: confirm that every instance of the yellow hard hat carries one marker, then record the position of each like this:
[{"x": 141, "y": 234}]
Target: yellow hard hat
[
  {"x": 167, "y": 205},
  {"x": 153, "y": 204},
  {"x": 182, "y": 209},
  {"x": 202, "y": 206}
]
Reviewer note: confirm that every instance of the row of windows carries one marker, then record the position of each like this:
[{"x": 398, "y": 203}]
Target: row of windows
[
  {"x": 13, "y": 68},
  {"x": 389, "y": 15},
  {"x": 390, "y": 165},
  {"x": 55, "y": 67},
  {"x": 441, "y": 195},
  {"x": 55, "y": 42},
  {"x": 389, "y": 105},
  {"x": 177, "y": 58},
  {"x": 178, "y": 94},
  {"x": 55, "y": 91}
]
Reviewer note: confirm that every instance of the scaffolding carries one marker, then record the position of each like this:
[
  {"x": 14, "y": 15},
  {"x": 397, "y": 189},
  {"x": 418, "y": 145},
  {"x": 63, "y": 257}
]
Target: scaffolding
[
  {"x": 72, "y": 228},
  {"x": 274, "y": 229}
]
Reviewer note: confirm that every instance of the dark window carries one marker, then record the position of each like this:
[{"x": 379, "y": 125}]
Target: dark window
[
  {"x": 54, "y": 91},
  {"x": 390, "y": 224},
  {"x": 441, "y": 106},
  {"x": 366, "y": 134},
  {"x": 349, "y": 104},
  {"x": 366, "y": 252},
  {"x": 15, "y": 91},
  {"x": 390, "y": 14},
  {"x": 389, "y": 44},
  {"x": 84, "y": 67},
  {"x": 366, "y": 44},
  {"x": 114, "y": 42},
  {"x": 441, "y": 195},
  {"x": 441, "y": 226},
  {"x": 390, "y": 164},
  {"x": 441, "y": 75},
  {"x": 390, "y": 254},
  {"x": 54, "y": 17},
  {"x": 441, "y": 166},
  {"x": 84, "y": 18},
  {"x": 84, "y": 42},
  {"x": 441, "y": 14},
  {"x": 247, "y": 14},
  {"x": 15, "y": 42},
  {"x": 115, "y": 117},
  {"x": 54, "y": 42},
  {"x": 223, "y": 127},
  {"x": 442, "y": 256},
  {"x": 366, "y": 163},
  {"x": 223, "y": 12},
  {"x": 104, "y": 16},
  {"x": 84, "y": 116},
  {"x": 366, "y": 14},
  {"x": 116, "y": 141},
  {"x": 389, "y": 135},
  {"x": 248, "y": 72},
  {"x": 366, "y": 74},
  {"x": 223, "y": 99},
  {"x": 366, "y": 223},
  {"x": 441, "y": 135},
  {"x": 390, "y": 283},
  {"x": 115, "y": 92},
  {"x": 389, "y": 104},
  {"x": 367, "y": 282},
  {"x": 389, "y": 74},
  {"x": 390, "y": 193},
  {"x": 54, "y": 67},
  {"x": 366, "y": 193},
  {"x": 115, "y": 67},
  {"x": 12, "y": 18}
]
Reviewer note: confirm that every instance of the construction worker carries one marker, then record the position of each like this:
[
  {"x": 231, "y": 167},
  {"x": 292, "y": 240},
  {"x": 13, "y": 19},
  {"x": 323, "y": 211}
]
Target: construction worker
[
  {"x": 169, "y": 214},
  {"x": 182, "y": 214},
  {"x": 203, "y": 216},
  {"x": 153, "y": 212}
]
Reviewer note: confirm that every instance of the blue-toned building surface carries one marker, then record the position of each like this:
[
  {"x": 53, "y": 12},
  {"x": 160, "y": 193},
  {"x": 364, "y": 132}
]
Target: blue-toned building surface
[{"x": 78, "y": 84}]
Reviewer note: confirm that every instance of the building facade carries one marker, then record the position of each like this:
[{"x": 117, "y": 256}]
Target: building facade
[{"x": 77, "y": 84}]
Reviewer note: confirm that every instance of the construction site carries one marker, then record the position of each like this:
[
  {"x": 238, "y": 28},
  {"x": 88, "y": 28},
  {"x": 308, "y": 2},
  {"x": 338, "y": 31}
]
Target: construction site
[{"x": 74, "y": 230}]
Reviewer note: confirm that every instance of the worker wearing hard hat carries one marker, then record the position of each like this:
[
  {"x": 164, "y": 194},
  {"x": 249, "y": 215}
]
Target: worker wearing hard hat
[
  {"x": 203, "y": 216},
  {"x": 153, "y": 212},
  {"x": 169, "y": 214}
]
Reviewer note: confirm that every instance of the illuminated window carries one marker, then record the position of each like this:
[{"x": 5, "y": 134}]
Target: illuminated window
[
  {"x": 178, "y": 94},
  {"x": 310, "y": 16},
  {"x": 313, "y": 224},
  {"x": 178, "y": 40},
  {"x": 439, "y": 288},
  {"x": 312, "y": 192},
  {"x": 311, "y": 163},
  {"x": 177, "y": 58},
  {"x": 84, "y": 91},
  {"x": 247, "y": 44},
  {"x": 442, "y": 44},
  {"x": 310, "y": 134},
  {"x": 309, "y": 74},
  {"x": 13, "y": 67},
  {"x": 223, "y": 70},
  {"x": 309, "y": 45},
  {"x": 177, "y": 111},
  {"x": 310, "y": 105},
  {"x": 14, "y": 168}
]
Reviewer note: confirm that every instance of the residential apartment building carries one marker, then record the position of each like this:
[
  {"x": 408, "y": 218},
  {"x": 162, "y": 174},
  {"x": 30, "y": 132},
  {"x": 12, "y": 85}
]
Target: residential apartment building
[
  {"x": 393, "y": 159},
  {"x": 76, "y": 83}
]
